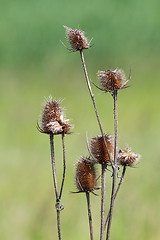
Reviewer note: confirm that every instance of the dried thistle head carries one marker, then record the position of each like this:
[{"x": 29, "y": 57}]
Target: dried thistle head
[
  {"x": 111, "y": 80},
  {"x": 99, "y": 151},
  {"x": 76, "y": 39},
  {"x": 85, "y": 175},
  {"x": 52, "y": 120},
  {"x": 128, "y": 158}
]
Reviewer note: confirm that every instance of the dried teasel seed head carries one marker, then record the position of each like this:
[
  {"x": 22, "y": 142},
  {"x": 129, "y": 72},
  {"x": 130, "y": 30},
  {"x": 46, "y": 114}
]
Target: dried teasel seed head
[
  {"x": 85, "y": 175},
  {"x": 76, "y": 39},
  {"x": 111, "y": 80},
  {"x": 128, "y": 158},
  {"x": 99, "y": 151},
  {"x": 53, "y": 119}
]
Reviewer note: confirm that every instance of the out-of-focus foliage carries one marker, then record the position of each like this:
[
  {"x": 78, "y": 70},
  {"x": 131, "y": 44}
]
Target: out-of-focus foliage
[{"x": 33, "y": 65}]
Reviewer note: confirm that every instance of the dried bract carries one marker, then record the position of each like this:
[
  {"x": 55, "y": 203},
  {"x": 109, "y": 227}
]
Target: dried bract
[
  {"x": 128, "y": 158},
  {"x": 99, "y": 151},
  {"x": 53, "y": 119},
  {"x": 76, "y": 39},
  {"x": 111, "y": 80},
  {"x": 85, "y": 175}
]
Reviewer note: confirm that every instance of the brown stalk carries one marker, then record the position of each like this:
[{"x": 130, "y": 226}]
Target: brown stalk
[
  {"x": 93, "y": 100},
  {"x": 64, "y": 167},
  {"x": 114, "y": 166},
  {"x": 101, "y": 130},
  {"x": 90, "y": 90},
  {"x": 103, "y": 192},
  {"x": 57, "y": 205},
  {"x": 117, "y": 190},
  {"x": 89, "y": 215},
  {"x": 120, "y": 182}
]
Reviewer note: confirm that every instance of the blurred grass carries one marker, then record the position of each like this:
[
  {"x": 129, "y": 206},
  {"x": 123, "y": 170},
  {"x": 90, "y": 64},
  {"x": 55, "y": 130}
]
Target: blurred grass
[{"x": 34, "y": 65}]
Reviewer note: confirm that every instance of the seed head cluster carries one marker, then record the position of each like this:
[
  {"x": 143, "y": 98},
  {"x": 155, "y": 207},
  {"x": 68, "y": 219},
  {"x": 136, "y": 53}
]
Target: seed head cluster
[
  {"x": 111, "y": 80},
  {"x": 53, "y": 119},
  {"x": 85, "y": 175},
  {"x": 76, "y": 39},
  {"x": 128, "y": 158},
  {"x": 99, "y": 151}
]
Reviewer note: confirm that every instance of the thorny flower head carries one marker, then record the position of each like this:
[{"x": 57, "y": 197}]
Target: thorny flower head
[
  {"x": 85, "y": 175},
  {"x": 76, "y": 39},
  {"x": 52, "y": 120},
  {"x": 128, "y": 158},
  {"x": 99, "y": 151},
  {"x": 111, "y": 80}
]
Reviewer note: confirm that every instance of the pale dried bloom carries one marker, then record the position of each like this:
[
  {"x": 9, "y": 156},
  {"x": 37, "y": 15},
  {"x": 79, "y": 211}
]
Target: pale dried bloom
[
  {"x": 85, "y": 175},
  {"x": 128, "y": 158},
  {"x": 76, "y": 39},
  {"x": 53, "y": 119},
  {"x": 99, "y": 151},
  {"x": 111, "y": 80}
]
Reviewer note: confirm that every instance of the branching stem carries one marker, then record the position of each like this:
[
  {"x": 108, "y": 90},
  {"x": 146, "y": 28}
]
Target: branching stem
[
  {"x": 102, "y": 133},
  {"x": 120, "y": 182},
  {"x": 114, "y": 166},
  {"x": 55, "y": 185},
  {"x": 117, "y": 190}
]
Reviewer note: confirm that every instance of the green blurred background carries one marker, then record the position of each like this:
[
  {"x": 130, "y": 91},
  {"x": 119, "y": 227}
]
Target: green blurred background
[{"x": 33, "y": 65}]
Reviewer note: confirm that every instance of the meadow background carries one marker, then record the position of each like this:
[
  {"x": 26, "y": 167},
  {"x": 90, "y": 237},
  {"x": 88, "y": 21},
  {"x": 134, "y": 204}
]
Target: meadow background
[{"x": 33, "y": 65}]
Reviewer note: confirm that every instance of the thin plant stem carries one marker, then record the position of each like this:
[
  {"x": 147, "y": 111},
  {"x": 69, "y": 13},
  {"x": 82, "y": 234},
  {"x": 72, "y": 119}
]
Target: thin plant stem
[
  {"x": 64, "y": 167},
  {"x": 120, "y": 182},
  {"x": 93, "y": 99},
  {"x": 89, "y": 215},
  {"x": 101, "y": 130},
  {"x": 117, "y": 190},
  {"x": 114, "y": 166},
  {"x": 90, "y": 90},
  {"x": 103, "y": 193},
  {"x": 57, "y": 205}
]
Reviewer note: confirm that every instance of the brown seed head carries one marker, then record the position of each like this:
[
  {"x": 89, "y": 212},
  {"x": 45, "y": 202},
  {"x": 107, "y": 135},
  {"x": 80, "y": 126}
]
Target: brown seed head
[
  {"x": 99, "y": 151},
  {"x": 111, "y": 80},
  {"x": 53, "y": 119},
  {"x": 128, "y": 158},
  {"x": 85, "y": 175},
  {"x": 76, "y": 39}
]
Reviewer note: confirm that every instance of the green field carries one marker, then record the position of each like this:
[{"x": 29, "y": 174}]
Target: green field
[{"x": 33, "y": 65}]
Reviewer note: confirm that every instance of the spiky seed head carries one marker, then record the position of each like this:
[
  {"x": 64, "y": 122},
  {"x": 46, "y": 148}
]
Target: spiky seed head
[
  {"x": 99, "y": 151},
  {"x": 85, "y": 175},
  {"x": 128, "y": 158},
  {"x": 76, "y": 39},
  {"x": 53, "y": 118},
  {"x": 111, "y": 80}
]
